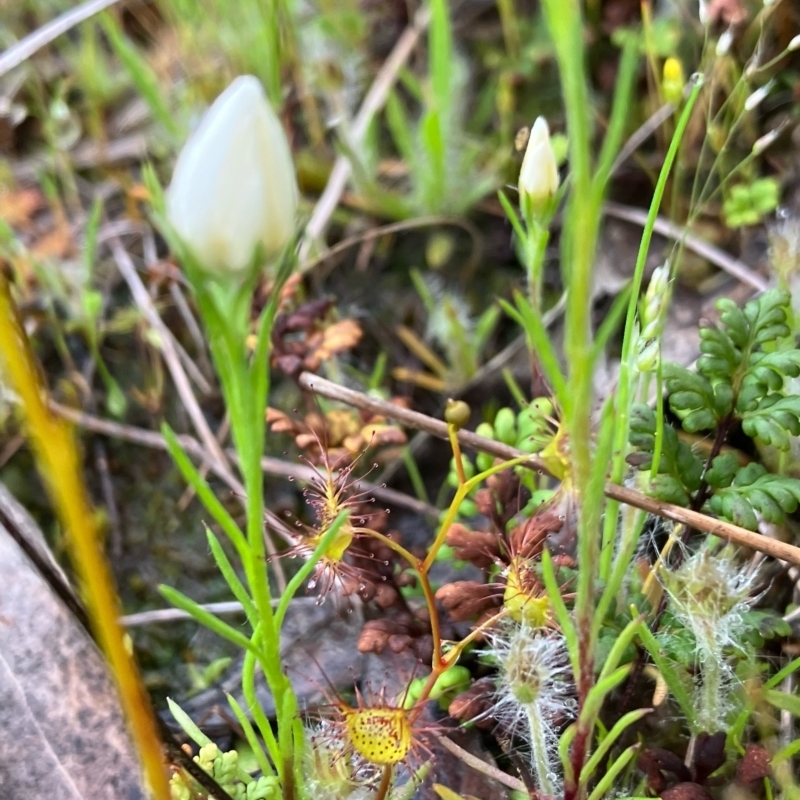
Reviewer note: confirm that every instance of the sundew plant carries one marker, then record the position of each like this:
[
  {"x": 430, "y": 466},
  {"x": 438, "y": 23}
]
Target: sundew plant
[{"x": 597, "y": 547}]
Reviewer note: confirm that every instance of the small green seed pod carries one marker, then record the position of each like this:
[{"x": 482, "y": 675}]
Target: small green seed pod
[{"x": 457, "y": 413}]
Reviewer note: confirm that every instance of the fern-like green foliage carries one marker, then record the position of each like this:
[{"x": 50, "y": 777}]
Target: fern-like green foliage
[{"x": 739, "y": 381}]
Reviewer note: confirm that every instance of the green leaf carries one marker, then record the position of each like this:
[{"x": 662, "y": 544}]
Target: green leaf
[
  {"x": 676, "y": 686},
  {"x": 144, "y": 78},
  {"x": 774, "y": 420},
  {"x": 783, "y": 701},
  {"x": 296, "y": 582},
  {"x": 264, "y": 763},
  {"x": 187, "y": 725},
  {"x": 399, "y": 128},
  {"x": 204, "y": 492},
  {"x": 622, "y": 724},
  {"x": 180, "y": 600},
  {"x": 606, "y": 783},
  {"x": 722, "y": 471},
  {"x": 232, "y": 579},
  {"x": 441, "y": 56},
  {"x": 754, "y": 490},
  {"x": 539, "y": 342},
  {"x": 702, "y": 419},
  {"x": 669, "y": 489}
]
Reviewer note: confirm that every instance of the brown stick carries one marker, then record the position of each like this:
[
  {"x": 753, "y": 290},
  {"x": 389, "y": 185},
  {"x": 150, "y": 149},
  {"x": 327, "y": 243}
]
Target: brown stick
[
  {"x": 480, "y": 765},
  {"x": 269, "y": 465},
  {"x": 631, "y": 497}
]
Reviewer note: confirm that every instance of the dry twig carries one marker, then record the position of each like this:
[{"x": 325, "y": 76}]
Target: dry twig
[
  {"x": 438, "y": 428},
  {"x": 270, "y": 466},
  {"x": 718, "y": 257},
  {"x": 41, "y": 37},
  {"x": 481, "y": 766}
]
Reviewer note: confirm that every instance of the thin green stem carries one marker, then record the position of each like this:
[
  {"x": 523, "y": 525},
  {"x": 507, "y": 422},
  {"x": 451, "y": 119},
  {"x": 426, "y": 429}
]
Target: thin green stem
[
  {"x": 535, "y": 246},
  {"x": 626, "y": 385},
  {"x": 539, "y": 750}
]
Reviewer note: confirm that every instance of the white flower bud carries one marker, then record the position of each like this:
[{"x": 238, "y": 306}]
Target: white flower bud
[
  {"x": 757, "y": 96},
  {"x": 765, "y": 141},
  {"x": 710, "y": 594},
  {"x": 234, "y": 187},
  {"x": 534, "y": 690},
  {"x": 538, "y": 178},
  {"x": 794, "y": 44},
  {"x": 725, "y": 42}
]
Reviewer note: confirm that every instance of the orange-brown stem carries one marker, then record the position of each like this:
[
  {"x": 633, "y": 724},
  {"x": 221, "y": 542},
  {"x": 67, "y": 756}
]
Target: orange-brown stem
[
  {"x": 427, "y": 591},
  {"x": 386, "y": 782}
]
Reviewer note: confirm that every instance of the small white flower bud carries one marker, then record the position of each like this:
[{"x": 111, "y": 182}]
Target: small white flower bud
[
  {"x": 794, "y": 44},
  {"x": 762, "y": 143},
  {"x": 538, "y": 178},
  {"x": 725, "y": 42},
  {"x": 757, "y": 96},
  {"x": 234, "y": 187},
  {"x": 710, "y": 595}
]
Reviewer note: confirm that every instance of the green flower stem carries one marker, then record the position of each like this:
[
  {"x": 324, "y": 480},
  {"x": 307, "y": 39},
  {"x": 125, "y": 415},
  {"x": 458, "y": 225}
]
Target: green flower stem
[
  {"x": 535, "y": 245},
  {"x": 225, "y": 310},
  {"x": 539, "y": 754},
  {"x": 565, "y": 22},
  {"x": 626, "y": 385},
  {"x": 710, "y": 713}
]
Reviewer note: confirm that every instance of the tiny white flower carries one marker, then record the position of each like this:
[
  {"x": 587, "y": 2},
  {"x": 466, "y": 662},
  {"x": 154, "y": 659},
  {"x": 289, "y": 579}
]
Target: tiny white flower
[
  {"x": 762, "y": 143},
  {"x": 234, "y": 187},
  {"x": 725, "y": 42},
  {"x": 794, "y": 44},
  {"x": 757, "y": 96},
  {"x": 652, "y": 309},
  {"x": 538, "y": 178}
]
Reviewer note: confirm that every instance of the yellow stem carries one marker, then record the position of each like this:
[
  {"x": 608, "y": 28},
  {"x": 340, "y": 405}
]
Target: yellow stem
[
  {"x": 455, "y": 652},
  {"x": 452, "y": 434},
  {"x": 463, "y": 490},
  {"x": 427, "y": 591},
  {"x": 58, "y": 462}
]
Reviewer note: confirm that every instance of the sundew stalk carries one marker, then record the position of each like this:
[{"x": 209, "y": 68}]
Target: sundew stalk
[
  {"x": 711, "y": 712},
  {"x": 534, "y": 692},
  {"x": 542, "y": 743}
]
